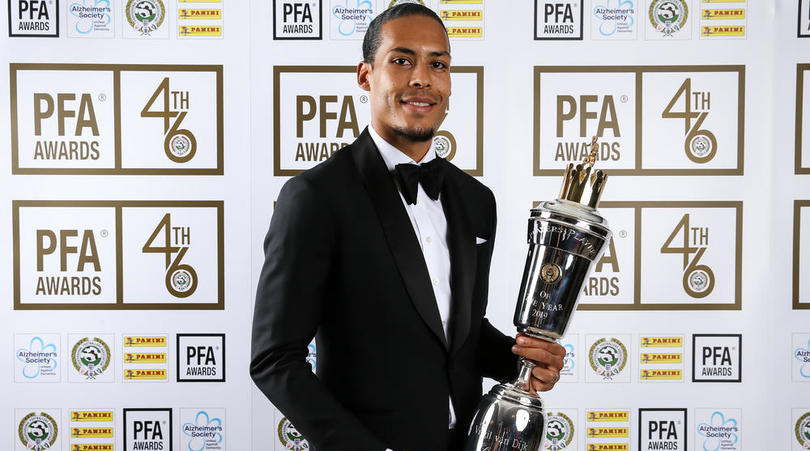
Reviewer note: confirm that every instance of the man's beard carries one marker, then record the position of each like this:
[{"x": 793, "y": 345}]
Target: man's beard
[{"x": 417, "y": 134}]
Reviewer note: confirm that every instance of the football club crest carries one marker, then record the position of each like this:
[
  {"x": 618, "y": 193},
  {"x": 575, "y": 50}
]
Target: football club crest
[
  {"x": 668, "y": 16},
  {"x": 38, "y": 431},
  {"x": 91, "y": 357},
  {"x": 290, "y": 437},
  {"x": 802, "y": 430},
  {"x": 145, "y": 16},
  {"x": 559, "y": 431},
  {"x": 608, "y": 357}
]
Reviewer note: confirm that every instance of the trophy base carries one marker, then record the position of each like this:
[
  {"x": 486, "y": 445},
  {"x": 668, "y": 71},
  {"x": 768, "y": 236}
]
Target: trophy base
[{"x": 508, "y": 417}]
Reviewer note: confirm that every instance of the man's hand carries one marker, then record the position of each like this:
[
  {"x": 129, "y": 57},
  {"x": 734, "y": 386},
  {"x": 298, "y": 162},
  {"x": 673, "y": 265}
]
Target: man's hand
[{"x": 547, "y": 356}]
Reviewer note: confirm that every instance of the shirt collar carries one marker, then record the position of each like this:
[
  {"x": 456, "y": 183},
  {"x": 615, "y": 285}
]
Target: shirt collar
[{"x": 393, "y": 156}]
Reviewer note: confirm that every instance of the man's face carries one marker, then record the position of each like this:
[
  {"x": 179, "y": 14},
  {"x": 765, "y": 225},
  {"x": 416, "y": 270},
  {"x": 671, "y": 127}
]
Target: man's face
[{"x": 409, "y": 83}]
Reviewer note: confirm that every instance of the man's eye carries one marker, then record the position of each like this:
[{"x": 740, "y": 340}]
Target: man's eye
[
  {"x": 439, "y": 65},
  {"x": 401, "y": 61}
]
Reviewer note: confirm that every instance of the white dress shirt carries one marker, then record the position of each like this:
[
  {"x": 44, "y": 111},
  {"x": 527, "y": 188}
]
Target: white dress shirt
[{"x": 430, "y": 226}]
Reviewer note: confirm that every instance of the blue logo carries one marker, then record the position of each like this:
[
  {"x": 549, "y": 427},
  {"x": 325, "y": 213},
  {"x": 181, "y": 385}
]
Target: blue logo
[
  {"x": 91, "y": 15},
  {"x": 312, "y": 357},
  {"x": 205, "y": 432},
  {"x": 615, "y": 16},
  {"x": 568, "y": 362},
  {"x": 719, "y": 432},
  {"x": 39, "y": 359},
  {"x": 803, "y": 356},
  {"x": 353, "y": 19}
]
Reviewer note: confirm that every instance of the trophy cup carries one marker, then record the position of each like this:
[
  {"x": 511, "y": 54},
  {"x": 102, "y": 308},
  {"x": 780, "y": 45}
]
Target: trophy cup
[{"x": 566, "y": 237}]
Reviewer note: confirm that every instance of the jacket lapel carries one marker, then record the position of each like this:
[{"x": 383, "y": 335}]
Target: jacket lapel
[
  {"x": 398, "y": 231},
  {"x": 462, "y": 259}
]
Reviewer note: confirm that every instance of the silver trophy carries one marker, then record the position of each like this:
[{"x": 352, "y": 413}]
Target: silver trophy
[{"x": 566, "y": 238}]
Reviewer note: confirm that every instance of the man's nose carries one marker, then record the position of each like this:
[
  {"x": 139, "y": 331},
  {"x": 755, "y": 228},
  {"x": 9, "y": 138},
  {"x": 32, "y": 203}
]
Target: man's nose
[{"x": 420, "y": 76}]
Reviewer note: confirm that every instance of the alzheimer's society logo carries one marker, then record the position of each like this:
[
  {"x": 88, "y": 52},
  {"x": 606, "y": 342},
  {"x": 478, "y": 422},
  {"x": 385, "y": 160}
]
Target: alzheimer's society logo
[
  {"x": 37, "y": 358},
  {"x": 350, "y": 18},
  {"x": 719, "y": 433},
  {"x": 204, "y": 432},
  {"x": 614, "y": 19},
  {"x": 801, "y": 357},
  {"x": 89, "y": 18}
]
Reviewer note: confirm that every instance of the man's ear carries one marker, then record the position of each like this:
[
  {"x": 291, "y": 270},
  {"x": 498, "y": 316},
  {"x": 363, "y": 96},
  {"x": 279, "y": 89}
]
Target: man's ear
[{"x": 364, "y": 75}]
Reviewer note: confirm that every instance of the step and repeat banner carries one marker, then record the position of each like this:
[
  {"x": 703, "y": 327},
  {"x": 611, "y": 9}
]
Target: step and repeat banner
[{"x": 147, "y": 140}]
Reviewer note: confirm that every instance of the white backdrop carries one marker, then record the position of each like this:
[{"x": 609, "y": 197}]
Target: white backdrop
[{"x": 705, "y": 288}]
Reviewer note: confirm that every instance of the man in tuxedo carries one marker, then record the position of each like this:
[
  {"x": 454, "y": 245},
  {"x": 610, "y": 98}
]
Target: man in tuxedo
[{"x": 386, "y": 263}]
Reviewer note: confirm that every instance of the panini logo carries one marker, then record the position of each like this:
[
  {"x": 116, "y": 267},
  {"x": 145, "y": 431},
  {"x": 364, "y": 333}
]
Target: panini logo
[
  {"x": 608, "y": 432},
  {"x": 144, "y": 341},
  {"x": 727, "y": 30},
  {"x": 331, "y": 111},
  {"x": 461, "y": 14},
  {"x": 91, "y": 432},
  {"x": 608, "y": 416},
  {"x": 145, "y": 374},
  {"x": 116, "y": 119},
  {"x": 185, "y": 13},
  {"x": 661, "y": 358},
  {"x": 92, "y": 447},
  {"x": 608, "y": 447},
  {"x": 465, "y": 32},
  {"x": 79, "y": 254},
  {"x": 696, "y": 248},
  {"x": 200, "y": 30},
  {"x": 661, "y": 342},
  {"x": 661, "y": 374},
  {"x": 91, "y": 415},
  {"x": 140, "y": 357},
  {"x": 715, "y": 14},
  {"x": 698, "y": 109}
]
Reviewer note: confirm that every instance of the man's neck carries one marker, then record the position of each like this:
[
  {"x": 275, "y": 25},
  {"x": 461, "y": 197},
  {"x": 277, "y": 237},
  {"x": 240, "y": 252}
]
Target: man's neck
[{"x": 415, "y": 150}]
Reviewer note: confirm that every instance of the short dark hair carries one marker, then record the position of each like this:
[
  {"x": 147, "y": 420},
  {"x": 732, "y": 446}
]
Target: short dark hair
[{"x": 371, "y": 41}]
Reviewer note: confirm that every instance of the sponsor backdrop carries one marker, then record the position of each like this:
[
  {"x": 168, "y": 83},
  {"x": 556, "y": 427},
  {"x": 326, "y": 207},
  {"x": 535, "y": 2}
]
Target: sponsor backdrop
[{"x": 146, "y": 142}]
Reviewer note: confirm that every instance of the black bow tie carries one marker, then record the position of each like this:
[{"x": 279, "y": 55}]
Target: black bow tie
[{"x": 430, "y": 175}]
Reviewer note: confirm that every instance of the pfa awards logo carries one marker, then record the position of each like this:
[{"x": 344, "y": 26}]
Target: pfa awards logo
[
  {"x": 668, "y": 120},
  {"x": 678, "y": 255},
  {"x": 90, "y": 19},
  {"x": 297, "y": 19},
  {"x": 800, "y": 359},
  {"x": 90, "y": 358},
  {"x": 148, "y": 429},
  {"x": 668, "y": 19},
  {"x": 560, "y": 431},
  {"x": 37, "y": 430},
  {"x": 146, "y": 19},
  {"x": 802, "y": 158},
  {"x": 662, "y": 429},
  {"x": 558, "y": 19},
  {"x": 804, "y": 19},
  {"x": 200, "y": 357},
  {"x": 716, "y": 358},
  {"x": 202, "y": 429},
  {"x": 801, "y": 430},
  {"x": 608, "y": 357},
  {"x": 37, "y": 357},
  {"x": 718, "y": 429},
  {"x": 118, "y": 254},
  {"x": 801, "y": 254},
  {"x": 33, "y": 18},
  {"x": 289, "y": 436},
  {"x": 116, "y": 119},
  {"x": 614, "y": 19},
  {"x": 331, "y": 111}
]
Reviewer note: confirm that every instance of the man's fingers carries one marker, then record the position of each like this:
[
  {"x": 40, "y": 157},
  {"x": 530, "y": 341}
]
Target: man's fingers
[
  {"x": 540, "y": 356},
  {"x": 531, "y": 342},
  {"x": 539, "y": 385},
  {"x": 546, "y": 375}
]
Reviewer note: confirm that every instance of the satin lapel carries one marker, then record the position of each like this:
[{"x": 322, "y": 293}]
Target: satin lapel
[
  {"x": 398, "y": 231},
  {"x": 462, "y": 260}
]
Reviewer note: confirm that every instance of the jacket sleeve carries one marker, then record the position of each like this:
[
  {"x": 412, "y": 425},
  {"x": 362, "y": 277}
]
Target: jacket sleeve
[
  {"x": 494, "y": 348},
  {"x": 289, "y": 303}
]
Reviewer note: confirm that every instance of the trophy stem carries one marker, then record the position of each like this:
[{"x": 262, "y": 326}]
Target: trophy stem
[{"x": 523, "y": 381}]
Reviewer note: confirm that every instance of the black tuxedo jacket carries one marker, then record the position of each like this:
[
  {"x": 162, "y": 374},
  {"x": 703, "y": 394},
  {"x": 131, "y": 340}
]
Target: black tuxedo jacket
[{"x": 343, "y": 264}]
